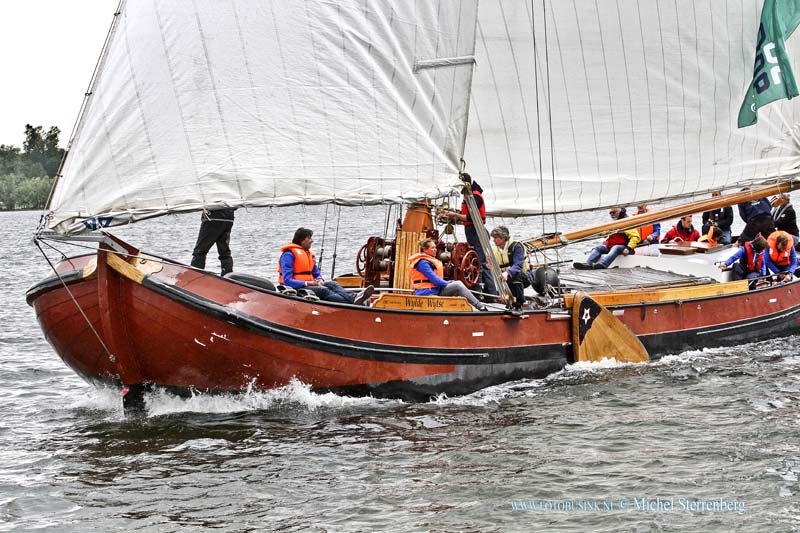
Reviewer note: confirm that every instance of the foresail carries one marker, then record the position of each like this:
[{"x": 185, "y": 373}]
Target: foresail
[
  {"x": 630, "y": 101},
  {"x": 199, "y": 103}
]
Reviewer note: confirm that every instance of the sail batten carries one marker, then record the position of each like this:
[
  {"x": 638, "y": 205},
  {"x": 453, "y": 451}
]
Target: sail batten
[{"x": 555, "y": 106}]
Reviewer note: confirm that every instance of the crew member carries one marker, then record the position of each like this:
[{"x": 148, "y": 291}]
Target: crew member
[
  {"x": 757, "y": 216},
  {"x": 622, "y": 242},
  {"x": 748, "y": 261},
  {"x": 713, "y": 237},
  {"x": 781, "y": 258},
  {"x": 471, "y": 232},
  {"x": 297, "y": 268},
  {"x": 513, "y": 263},
  {"x": 427, "y": 274},
  {"x": 721, "y": 218},
  {"x": 784, "y": 216},
  {"x": 647, "y": 234},
  {"x": 683, "y": 231},
  {"x": 215, "y": 228}
]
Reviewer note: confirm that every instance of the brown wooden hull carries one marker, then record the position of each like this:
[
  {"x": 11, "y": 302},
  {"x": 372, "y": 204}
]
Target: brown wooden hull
[{"x": 188, "y": 330}]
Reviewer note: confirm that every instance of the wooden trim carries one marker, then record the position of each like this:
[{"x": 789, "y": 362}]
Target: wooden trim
[
  {"x": 413, "y": 302},
  {"x": 124, "y": 268},
  {"x": 637, "y": 296}
]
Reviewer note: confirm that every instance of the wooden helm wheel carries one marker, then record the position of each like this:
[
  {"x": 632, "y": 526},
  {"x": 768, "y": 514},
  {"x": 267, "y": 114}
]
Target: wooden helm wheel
[
  {"x": 361, "y": 261},
  {"x": 470, "y": 268}
]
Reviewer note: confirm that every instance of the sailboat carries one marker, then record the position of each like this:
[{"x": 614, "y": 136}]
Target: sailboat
[{"x": 555, "y": 107}]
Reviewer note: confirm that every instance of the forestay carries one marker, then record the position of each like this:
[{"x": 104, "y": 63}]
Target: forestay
[{"x": 245, "y": 102}]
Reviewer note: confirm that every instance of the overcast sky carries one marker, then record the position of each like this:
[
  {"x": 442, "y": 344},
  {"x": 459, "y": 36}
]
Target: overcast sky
[{"x": 48, "y": 50}]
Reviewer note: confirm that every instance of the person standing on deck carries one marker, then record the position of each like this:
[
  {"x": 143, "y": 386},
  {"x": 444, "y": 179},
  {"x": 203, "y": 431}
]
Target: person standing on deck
[
  {"x": 780, "y": 257},
  {"x": 721, "y": 218},
  {"x": 683, "y": 231},
  {"x": 748, "y": 261},
  {"x": 471, "y": 232},
  {"x": 757, "y": 216},
  {"x": 215, "y": 228},
  {"x": 622, "y": 242},
  {"x": 297, "y": 268},
  {"x": 427, "y": 274},
  {"x": 784, "y": 216},
  {"x": 513, "y": 263}
]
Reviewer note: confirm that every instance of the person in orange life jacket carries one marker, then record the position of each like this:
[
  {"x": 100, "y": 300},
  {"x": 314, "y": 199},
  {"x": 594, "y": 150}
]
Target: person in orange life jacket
[
  {"x": 721, "y": 218},
  {"x": 647, "y": 234},
  {"x": 215, "y": 228},
  {"x": 426, "y": 276},
  {"x": 297, "y": 268},
  {"x": 748, "y": 261},
  {"x": 622, "y": 242},
  {"x": 757, "y": 216},
  {"x": 713, "y": 237},
  {"x": 472, "y": 234},
  {"x": 683, "y": 231},
  {"x": 780, "y": 257}
]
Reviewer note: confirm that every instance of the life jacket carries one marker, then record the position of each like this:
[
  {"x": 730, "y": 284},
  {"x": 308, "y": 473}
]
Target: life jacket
[
  {"x": 617, "y": 238},
  {"x": 304, "y": 261},
  {"x": 754, "y": 261},
  {"x": 481, "y": 209},
  {"x": 420, "y": 280},
  {"x": 780, "y": 259},
  {"x": 504, "y": 257},
  {"x": 645, "y": 231},
  {"x": 709, "y": 237}
]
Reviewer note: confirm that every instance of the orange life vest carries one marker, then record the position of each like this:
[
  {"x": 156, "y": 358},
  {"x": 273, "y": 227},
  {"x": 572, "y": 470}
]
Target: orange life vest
[
  {"x": 304, "y": 261},
  {"x": 709, "y": 237},
  {"x": 784, "y": 258},
  {"x": 645, "y": 231},
  {"x": 420, "y": 280}
]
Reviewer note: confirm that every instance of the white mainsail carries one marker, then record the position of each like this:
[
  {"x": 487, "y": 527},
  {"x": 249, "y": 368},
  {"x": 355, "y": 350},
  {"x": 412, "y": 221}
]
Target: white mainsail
[
  {"x": 248, "y": 102},
  {"x": 572, "y": 105}
]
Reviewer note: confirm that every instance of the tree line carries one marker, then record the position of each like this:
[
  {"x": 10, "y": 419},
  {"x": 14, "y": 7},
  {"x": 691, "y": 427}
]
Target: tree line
[{"x": 26, "y": 175}]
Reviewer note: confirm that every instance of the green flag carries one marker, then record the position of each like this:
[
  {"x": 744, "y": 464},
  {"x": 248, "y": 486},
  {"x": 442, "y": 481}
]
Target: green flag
[{"x": 772, "y": 73}]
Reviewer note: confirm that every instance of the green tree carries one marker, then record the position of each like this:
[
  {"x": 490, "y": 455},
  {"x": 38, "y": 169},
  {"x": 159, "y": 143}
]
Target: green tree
[
  {"x": 32, "y": 193},
  {"x": 42, "y": 147}
]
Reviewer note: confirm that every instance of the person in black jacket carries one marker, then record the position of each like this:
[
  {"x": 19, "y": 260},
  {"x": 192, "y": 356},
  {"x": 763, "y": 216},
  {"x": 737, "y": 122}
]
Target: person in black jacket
[
  {"x": 721, "y": 218},
  {"x": 757, "y": 216},
  {"x": 784, "y": 216},
  {"x": 215, "y": 228}
]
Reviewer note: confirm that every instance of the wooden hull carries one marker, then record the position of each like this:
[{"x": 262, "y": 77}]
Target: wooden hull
[{"x": 188, "y": 330}]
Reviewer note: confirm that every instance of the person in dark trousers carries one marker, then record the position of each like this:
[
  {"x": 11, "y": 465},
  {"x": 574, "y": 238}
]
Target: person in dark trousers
[
  {"x": 721, "y": 218},
  {"x": 757, "y": 216},
  {"x": 513, "y": 263},
  {"x": 472, "y": 234},
  {"x": 215, "y": 228},
  {"x": 784, "y": 216},
  {"x": 427, "y": 276},
  {"x": 298, "y": 269}
]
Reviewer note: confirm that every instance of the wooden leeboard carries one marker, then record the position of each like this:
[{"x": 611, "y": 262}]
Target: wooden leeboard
[
  {"x": 422, "y": 303},
  {"x": 406, "y": 245},
  {"x": 635, "y": 296},
  {"x": 596, "y": 333}
]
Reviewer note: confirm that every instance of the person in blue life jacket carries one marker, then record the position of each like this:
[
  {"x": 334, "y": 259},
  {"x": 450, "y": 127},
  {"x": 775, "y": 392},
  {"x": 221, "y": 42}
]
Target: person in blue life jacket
[
  {"x": 748, "y": 261},
  {"x": 427, "y": 273}
]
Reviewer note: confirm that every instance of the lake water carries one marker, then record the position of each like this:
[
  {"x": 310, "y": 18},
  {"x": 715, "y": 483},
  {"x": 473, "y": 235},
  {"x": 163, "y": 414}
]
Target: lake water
[{"x": 698, "y": 441}]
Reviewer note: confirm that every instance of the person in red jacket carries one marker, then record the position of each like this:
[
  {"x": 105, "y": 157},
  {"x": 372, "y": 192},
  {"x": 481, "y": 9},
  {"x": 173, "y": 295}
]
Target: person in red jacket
[
  {"x": 683, "y": 231},
  {"x": 621, "y": 242}
]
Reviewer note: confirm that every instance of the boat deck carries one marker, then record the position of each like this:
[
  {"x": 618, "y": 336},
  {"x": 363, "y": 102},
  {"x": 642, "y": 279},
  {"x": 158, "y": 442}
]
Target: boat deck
[{"x": 620, "y": 278}]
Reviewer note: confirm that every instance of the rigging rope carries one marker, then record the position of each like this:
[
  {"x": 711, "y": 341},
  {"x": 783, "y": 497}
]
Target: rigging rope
[
  {"x": 322, "y": 245},
  {"x": 336, "y": 241}
]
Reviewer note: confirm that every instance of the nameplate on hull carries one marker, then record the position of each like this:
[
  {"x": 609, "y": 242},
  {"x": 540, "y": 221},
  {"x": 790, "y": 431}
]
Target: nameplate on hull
[{"x": 422, "y": 303}]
